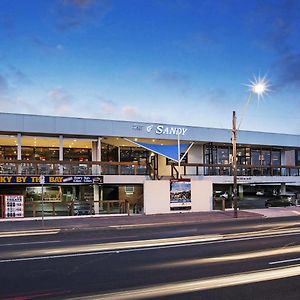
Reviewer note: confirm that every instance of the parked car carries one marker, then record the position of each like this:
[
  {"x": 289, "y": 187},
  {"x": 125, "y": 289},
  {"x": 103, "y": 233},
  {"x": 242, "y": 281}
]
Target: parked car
[
  {"x": 281, "y": 200},
  {"x": 78, "y": 208},
  {"x": 260, "y": 193}
]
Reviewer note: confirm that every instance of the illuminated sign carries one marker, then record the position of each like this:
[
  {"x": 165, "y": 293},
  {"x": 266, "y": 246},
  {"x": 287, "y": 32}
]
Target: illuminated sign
[{"x": 55, "y": 179}]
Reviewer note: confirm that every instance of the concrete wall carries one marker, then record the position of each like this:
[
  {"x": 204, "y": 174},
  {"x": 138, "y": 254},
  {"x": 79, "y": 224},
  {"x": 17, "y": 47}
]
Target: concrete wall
[{"x": 157, "y": 197}]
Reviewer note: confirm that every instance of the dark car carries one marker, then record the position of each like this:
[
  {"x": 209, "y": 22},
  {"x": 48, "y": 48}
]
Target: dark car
[
  {"x": 281, "y": 200},
  {"x": 78, "y": 208}
]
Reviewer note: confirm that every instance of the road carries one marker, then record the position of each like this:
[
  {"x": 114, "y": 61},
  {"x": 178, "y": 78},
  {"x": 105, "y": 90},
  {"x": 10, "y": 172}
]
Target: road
[{"x": 238, "y": 259}]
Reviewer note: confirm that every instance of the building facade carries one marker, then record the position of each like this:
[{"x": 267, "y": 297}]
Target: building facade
[{"x": 73, "y": 166}]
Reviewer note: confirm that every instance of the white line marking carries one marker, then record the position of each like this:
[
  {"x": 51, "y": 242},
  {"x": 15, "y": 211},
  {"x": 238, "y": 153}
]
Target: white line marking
[
  {"x": 30, "y": 243},
  {"x": 283, "y": 261}
]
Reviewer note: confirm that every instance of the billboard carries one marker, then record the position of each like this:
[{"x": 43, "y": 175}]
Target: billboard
[{"x": 180, "y": 194}]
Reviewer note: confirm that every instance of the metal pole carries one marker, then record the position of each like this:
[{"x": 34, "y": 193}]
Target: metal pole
[
  {"x": 42, "y": 204},
  {"x": 178, "y": 149},
  {"x": 234, "y": 164}
]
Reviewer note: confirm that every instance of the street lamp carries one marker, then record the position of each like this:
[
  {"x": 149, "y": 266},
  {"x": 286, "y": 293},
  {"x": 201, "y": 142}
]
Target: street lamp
[{"x": 258, "y": 86}]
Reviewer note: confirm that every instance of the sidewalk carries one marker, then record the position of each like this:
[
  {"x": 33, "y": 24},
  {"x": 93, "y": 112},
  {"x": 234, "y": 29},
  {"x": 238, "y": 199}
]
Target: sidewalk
[{"x": 107, "y": 221}]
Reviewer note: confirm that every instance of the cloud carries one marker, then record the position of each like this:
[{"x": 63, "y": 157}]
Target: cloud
[
  {"x": 44, "y": 47},
  {"x": 60, "y": 101},
  {"x": 288, "y": 68},
  {"x": 170, "y": 78},
  {"x": 3, "y": 85},
  {"x": 74, "y": 14},
  {"x": 7, "y": 23},
  {"x": 18, "y": 76},
  {"x": 130, "y": 112},
  {"x": 199, "y": 40},
  {"x": 108, "y": 106}
]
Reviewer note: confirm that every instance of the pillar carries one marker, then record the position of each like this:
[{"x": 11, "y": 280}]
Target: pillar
[
  {"x": 96, "y": 199},
  {"x": 61, "y": 153},
  {"x": 282, "y": 188},
  {"x": 241, "y": 192},
  {"x": 19, "y": 152}
]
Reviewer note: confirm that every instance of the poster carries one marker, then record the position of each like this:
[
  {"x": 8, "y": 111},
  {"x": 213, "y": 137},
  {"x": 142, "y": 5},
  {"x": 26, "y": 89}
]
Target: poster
[
  {"x": 180, "y": 194},
  {"x": 13, "y": 206}
]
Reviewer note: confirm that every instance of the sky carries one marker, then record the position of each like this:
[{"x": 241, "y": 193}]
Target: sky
[{"x": 185, "y": 62}]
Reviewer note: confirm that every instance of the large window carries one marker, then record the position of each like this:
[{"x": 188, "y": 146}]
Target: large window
[
  {"x": 109, "y": 152},
  {"x": 133, "y": 154},
  {"x": 77, "y": 154},
  {"x": 8, "y": 152},
  {"x": 39, "y": 153}
]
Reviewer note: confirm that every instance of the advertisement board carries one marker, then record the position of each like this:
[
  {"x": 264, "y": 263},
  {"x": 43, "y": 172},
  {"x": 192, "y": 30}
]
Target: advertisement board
[
  {"x": 50, "y": 179},
  {"x": 13, "y": 206},
  {"x": 180, "y": 194}
]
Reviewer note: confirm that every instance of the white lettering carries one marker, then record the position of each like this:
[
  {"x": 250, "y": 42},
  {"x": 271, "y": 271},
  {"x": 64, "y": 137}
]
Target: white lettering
[
  {"x": 173, "y": 130},
  {"x": 159, "y": 129},
  {"x": 166, "y": 131}
]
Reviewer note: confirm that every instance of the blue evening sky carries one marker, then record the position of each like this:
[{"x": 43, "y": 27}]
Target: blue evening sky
[{"x": 167, "y": 61}]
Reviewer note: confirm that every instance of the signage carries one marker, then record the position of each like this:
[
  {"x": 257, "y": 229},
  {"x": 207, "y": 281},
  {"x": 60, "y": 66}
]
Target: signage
[
  {"x": 180, "y": 194},
  {"x": 13, "y": 206},
  {"x": 55, "y": 179},
  {"x": 161, "y": 129},
  {"x": 167, "y": 130}
]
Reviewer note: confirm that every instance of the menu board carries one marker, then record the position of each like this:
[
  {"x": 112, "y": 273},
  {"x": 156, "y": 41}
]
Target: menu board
[{"x": 13, "y": 206}]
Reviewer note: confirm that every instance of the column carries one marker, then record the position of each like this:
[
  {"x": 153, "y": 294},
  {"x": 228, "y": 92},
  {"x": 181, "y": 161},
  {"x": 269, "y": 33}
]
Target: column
[
  {"x": 61, "y": 154},
  {"x": 98, "y": 154},
  {"x": 241, "y": 192},
  {"x": 282, "y": 188},
  {"x": 19, "y": 153},
  {"x": 96, "y": 199}
]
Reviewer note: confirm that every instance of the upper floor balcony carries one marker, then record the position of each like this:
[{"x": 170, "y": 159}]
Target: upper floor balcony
[{"x": 25, "y": 167}]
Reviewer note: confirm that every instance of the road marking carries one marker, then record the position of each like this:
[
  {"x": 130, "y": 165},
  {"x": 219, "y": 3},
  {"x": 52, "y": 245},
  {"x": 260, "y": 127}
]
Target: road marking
[
  {"x": 124, "y": 247},
  {"x": 30, "y": 243},
  {"x": 176, "y": 288},
  {"x": 29, "y": 233},
  {"x": 284, "y": 261}
]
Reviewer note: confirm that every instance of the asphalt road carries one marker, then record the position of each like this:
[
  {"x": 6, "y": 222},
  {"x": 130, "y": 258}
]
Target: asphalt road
[{"x": 239, "y": 259}]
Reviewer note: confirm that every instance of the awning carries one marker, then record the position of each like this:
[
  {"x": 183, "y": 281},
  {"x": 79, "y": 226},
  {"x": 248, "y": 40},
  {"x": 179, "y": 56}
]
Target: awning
[{"x": 168, "y": 151}]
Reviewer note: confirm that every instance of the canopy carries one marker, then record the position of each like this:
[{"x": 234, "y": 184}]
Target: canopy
[{"x": 169, "y": 151}]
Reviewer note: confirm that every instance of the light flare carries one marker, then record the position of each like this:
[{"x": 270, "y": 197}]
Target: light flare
[{"x": 259, "y": 86}]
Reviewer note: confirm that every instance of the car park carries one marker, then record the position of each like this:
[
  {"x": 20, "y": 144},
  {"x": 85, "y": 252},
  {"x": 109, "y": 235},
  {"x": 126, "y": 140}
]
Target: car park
[{"x": 281, "y": 200}]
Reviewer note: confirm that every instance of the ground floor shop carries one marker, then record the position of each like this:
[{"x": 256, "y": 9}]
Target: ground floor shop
[{"x": 67, "y": 196}]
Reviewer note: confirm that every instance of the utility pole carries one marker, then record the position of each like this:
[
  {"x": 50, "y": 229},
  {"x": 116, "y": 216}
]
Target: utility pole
[{"x": 234, "y": 164}]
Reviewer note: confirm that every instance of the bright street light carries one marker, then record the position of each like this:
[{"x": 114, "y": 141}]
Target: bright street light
[{"x": 258, "y": 86}]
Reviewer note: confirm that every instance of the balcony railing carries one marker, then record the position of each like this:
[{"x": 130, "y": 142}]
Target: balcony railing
[
  {"x": 25, "y": 167},
  {"x": 190, "y": 169}
]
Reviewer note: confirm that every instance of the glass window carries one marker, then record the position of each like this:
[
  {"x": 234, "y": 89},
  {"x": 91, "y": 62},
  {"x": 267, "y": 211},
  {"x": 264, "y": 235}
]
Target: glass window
[
  {"x": 133, "y": 154},
  {"x": 77, "y": 154},
  {"x": 109, "y": 152}
]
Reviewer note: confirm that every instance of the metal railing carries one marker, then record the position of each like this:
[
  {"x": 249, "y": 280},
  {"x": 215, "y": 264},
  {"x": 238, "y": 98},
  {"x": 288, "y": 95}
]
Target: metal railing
[
  {"x": 25, "y": 167},
  {"x": 190, "y": 169}
]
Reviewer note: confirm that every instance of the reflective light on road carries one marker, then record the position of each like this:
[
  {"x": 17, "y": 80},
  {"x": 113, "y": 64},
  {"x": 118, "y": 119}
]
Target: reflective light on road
[
  {"x": 176, "y": 288},
  {"x": 225, "y": 258}
]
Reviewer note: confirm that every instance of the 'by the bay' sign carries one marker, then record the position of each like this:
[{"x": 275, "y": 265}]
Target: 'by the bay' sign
[{"x": 55, "y": 179}]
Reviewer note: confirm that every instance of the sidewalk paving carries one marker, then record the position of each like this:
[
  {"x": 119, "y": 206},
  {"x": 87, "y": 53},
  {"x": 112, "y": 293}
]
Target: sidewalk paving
[{"x": 104, "y": 221}]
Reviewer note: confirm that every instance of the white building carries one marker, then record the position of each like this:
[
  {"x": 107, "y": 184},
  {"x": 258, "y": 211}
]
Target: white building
[{"x": 106, "y": 166}]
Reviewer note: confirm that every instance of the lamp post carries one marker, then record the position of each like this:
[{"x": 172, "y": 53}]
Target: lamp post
[{"x": 258, "y": 86}]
